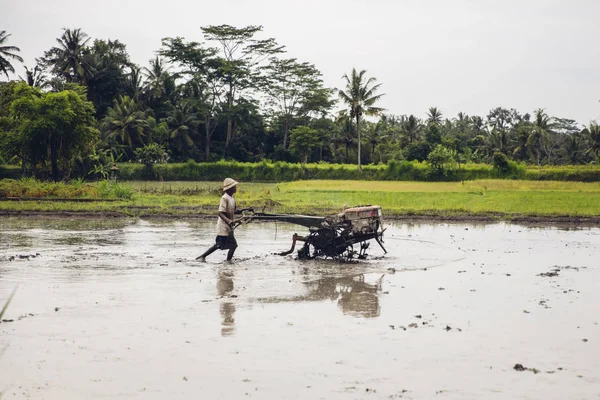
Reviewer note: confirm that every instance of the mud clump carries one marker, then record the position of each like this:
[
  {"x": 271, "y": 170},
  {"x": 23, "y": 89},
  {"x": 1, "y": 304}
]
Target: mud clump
[
  {"x": 556, "y": 269},
  {"x": 520, "y": 368}
]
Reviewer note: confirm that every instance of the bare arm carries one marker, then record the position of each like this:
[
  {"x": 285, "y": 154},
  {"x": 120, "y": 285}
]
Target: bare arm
[{"x": 223, "y": 216}]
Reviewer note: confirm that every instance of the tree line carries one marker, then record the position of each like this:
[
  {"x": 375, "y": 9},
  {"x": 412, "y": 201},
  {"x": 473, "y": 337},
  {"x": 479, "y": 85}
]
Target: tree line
[{"x": 235, "y": 95}]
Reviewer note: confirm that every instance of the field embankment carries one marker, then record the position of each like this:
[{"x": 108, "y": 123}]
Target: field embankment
[{"x": 482, "y": 199}]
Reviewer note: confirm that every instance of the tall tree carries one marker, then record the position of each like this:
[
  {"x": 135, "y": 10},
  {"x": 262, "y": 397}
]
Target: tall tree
[
  {"x": 201, "y": 67},
  {"x": 375, "y": 134},
  {"x": 346, "y": 134},
  {"x": 294, "y": 89},
  {"x": 538, "y": 142},
  {"x": 183, "y": 123},
  {"x": 412, "y": 128},
  {"x": 68, "y": 60},
  {"x": 434, "y": 116},
  {"x": 360, "y": 97},
  {"x": 156, "y": 75},
  {"x": 159, "y": 87},
  {"x": 134, "y": 82},
  {"x": 109, "y": 64},
  {"x": 35, "y": 77},
  {"x": 241, "y": 54},
  {"x": 7, "y": 53}
]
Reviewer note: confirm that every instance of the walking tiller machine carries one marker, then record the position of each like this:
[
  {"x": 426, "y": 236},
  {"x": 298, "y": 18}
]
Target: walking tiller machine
[{"x": 332, "y": 236}]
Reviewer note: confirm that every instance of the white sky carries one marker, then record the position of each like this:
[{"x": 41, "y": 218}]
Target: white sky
[{"x": 458, "y": 55}]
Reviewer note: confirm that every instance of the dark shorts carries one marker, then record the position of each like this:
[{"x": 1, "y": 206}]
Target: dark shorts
[{"x": 226, "y": 242}]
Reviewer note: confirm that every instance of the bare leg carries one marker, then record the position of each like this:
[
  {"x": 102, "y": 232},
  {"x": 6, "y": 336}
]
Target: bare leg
[
  {"x": 230, "y": 252},
  {"x": 208, "y": 252}
]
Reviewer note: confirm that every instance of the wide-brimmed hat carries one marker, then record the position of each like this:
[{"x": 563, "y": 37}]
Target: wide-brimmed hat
[{"x": 228, "y": 183}]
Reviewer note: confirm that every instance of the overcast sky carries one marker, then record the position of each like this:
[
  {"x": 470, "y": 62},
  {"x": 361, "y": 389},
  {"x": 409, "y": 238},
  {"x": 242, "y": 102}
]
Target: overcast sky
[{"x": 458, "y": 55}]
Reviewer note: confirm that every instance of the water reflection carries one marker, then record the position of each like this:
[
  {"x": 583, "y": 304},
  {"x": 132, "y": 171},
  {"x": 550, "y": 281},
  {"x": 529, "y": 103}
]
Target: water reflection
[
  {"x": 226, "y": 308},
  {"x": 356, "y": 295}
]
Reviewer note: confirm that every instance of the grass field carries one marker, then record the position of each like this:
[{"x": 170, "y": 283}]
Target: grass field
[{"x": 484, "y": 197}]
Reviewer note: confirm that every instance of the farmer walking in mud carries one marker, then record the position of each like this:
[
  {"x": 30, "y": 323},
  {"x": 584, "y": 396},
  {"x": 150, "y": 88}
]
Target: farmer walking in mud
[{"x": 227, "y": 210}]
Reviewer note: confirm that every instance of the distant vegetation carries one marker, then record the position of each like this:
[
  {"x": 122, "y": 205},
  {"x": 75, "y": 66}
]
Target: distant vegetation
[{"x": 232, "y": 94}]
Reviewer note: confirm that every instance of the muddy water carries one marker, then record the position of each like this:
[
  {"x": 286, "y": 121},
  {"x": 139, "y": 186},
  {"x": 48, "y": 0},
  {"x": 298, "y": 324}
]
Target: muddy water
[{"x": 120, "y": 309}]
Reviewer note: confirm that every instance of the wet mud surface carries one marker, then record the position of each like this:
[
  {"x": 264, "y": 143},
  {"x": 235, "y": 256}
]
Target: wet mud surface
[{"x": 116, "y": 308}]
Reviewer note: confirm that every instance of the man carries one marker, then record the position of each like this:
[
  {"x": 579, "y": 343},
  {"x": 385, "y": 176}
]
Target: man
[{"x": 225, "y": 239}]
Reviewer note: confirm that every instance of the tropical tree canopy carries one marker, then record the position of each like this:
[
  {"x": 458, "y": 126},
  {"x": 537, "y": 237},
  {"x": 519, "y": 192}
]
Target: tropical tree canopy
[{"x": 7, "y": 53}]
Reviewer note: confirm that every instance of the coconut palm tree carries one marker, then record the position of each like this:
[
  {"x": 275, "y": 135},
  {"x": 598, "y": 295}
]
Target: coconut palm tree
[
  {"x": 125, "y": 123},
  {"x": 155, "y": 76},
  {"x": 375, "y": 135},
  {"x": 592, "y": 132},
  {"x": 7, "y": 53},
  {"x": 411, "y": 128},
  {"x": 539, "y": 139},
  {"x": 183, "y": 122},
  {"x": 346, "y": 134},
  {"x": 360, "y": 97},
  {"x": 434, "y": 116},
  {"x": 572, "y": 149},
  {"x": 35, "y": 77},
  {"x": 68, "y": 60},
  {"x": 134, "y": 82}
]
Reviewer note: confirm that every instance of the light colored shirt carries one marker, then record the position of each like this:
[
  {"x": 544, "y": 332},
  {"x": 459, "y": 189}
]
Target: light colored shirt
[{"x": 227, "y": 206}]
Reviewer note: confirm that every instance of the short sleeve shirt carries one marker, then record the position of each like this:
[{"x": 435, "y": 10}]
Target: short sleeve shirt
[{"x": 227, "y": 206}]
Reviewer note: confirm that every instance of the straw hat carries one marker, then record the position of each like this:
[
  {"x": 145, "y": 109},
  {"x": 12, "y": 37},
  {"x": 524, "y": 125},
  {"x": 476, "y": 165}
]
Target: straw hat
[{"x": 228, "y": 183}]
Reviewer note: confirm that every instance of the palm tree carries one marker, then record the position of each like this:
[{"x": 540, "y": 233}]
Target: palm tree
[
  {"x": 156, "y": 76},
  {"x": 360, "y": 95},
  {"x": 434, "y": 116},
  {"x": 592, "y": 132},
  {"x": 125, "y": 122},
  {"x": 346, "y": 133},
  {"x": 6, "y": 53},
  {"x": 183, "y": 122},
  {"x": 134, "y": 82},
  {"x": 68, "y": 60},
  {"x": 411, "y": 127},
  {"x": 35, "y": 77},
  {"x": 572, "y": 149},
  {"x": 375, "y": 135},
  {"x": 521, "y": 149},
  {"x": 477, "y": 125},
  {"x": 539, "y": 138},
  {"x": 498, "y": 140}
]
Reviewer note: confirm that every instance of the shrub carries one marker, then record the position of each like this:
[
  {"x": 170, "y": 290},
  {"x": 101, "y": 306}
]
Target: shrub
[
  {"x": 442, "y": 162},
  {"x": 150, "y": 154},
  {"x": 500, "y": 162}
]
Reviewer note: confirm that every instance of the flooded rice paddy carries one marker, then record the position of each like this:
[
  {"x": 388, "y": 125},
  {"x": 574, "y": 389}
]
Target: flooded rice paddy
[{"x": 120, "y": 309}]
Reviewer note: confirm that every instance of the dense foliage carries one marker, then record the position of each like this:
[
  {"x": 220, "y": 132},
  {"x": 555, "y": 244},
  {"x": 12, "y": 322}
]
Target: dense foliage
[{"x": 233, "y": 95}]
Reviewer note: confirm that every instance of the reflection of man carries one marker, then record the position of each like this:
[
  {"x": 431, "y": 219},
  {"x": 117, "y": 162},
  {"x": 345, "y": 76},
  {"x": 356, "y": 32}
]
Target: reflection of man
[
  {"x": 227, "y": 309},
  {"x": 225, "y": 239}
]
